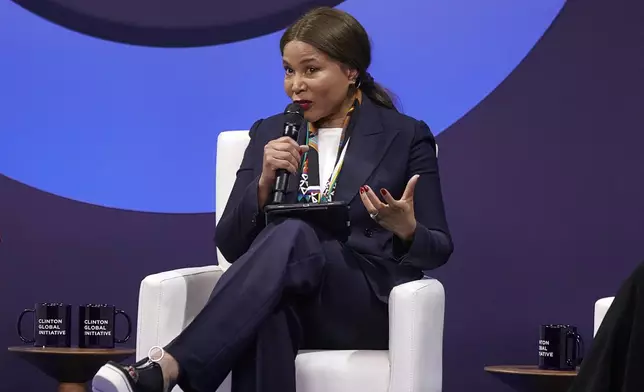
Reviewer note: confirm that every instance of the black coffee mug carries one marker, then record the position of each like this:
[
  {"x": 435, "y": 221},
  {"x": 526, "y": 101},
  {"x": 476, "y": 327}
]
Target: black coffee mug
[
  {"x": 52, "y": 325},
  {"x": 96, "y": 326},
  {"x": 560, "y": 347}
]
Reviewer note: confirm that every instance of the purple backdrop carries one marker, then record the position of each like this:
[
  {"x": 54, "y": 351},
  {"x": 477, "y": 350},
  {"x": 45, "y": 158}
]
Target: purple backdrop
[
  {"x": 542, "y": 181},
  {"x": 544, "y": 188}
]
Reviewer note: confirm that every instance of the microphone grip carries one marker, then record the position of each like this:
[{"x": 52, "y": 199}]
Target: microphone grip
[
  {"x": 282, "y": 176},
  {"x": 281, "y": 183},
  {"x": 278, "y": 198}
]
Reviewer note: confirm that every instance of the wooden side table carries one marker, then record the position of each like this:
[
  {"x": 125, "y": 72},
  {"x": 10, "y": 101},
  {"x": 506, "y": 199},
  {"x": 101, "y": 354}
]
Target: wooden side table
[
  {"x": 72, "y": 367},
  {"x": 527, "y": 378}
]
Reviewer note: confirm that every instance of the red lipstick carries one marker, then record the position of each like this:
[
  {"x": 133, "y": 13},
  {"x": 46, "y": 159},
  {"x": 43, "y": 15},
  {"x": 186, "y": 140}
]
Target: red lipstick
[{"x": 306, "y": 105}]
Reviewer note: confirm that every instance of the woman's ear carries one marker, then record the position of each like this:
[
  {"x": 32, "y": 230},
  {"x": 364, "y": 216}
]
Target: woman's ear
[{"x": 352, "y": 75}]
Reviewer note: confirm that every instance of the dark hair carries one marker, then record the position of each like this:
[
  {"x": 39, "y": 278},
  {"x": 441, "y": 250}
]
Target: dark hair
[{"x": 341, "y": 37}]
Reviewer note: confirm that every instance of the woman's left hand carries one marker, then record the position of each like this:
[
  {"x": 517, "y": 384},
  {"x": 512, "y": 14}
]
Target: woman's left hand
[{"x": 394, "y": 215}]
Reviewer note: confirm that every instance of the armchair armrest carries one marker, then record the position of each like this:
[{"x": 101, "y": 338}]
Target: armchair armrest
[
  {"x": 416, "y": 317},
  {"x": 169, "y": 301}
]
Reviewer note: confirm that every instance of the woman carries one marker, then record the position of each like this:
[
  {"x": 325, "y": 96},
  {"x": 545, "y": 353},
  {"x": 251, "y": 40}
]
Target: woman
[
  {"x": 616, "y": 361},
  {"x": 291, "y": 285}
]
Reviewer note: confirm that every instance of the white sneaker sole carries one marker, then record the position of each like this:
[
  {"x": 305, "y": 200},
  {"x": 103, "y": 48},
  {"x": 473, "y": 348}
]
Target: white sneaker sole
[{"x": 110, "y": 379}]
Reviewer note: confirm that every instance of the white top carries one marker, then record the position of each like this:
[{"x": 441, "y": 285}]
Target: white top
[{"x": 328, "y": 143}]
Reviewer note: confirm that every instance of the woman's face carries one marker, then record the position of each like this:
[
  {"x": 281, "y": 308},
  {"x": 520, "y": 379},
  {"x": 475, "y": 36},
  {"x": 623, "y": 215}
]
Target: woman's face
[{"x": 319, "y": 84}]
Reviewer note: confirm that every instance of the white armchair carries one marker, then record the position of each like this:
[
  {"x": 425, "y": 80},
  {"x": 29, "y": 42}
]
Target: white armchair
[
  {"x": 601, "y": 308},
  {"x": 169, "y": 301}
]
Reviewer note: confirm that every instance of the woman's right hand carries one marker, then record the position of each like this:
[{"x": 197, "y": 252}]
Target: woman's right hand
[{"x": 283, "y": 153}]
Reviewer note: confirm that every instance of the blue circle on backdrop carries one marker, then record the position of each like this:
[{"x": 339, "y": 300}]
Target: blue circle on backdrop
[{"x": 135, "y": 128}]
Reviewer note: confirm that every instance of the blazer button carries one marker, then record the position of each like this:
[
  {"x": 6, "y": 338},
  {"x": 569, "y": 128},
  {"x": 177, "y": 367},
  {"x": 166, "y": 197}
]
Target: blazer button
[{"x": 368, "y": 233}]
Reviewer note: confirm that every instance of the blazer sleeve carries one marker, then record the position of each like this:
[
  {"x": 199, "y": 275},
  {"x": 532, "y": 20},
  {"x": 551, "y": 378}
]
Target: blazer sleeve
[
  {"x": 431, "y": 245},
  {"x": 240, "y": 222}
]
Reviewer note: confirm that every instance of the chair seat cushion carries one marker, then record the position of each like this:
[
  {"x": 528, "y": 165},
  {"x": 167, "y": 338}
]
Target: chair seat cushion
[{"x": 342, "y": 370}]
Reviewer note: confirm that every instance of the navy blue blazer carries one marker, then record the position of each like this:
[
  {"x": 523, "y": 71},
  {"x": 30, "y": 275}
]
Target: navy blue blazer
[{"x": 386, "y": 149}]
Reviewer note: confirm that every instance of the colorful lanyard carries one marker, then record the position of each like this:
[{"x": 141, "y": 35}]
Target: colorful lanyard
[{"x": 326, "y": 194}]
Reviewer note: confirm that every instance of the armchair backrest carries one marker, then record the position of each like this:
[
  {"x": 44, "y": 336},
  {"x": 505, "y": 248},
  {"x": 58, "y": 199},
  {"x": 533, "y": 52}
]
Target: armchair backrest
[{"x": 230, "y": 151}]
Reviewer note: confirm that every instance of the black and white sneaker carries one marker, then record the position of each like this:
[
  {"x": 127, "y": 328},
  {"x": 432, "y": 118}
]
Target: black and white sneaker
[{"x": 143, "y": 376}]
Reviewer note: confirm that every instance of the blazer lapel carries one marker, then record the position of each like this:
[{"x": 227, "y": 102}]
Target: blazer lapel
[{"x": 366, "y": 149}]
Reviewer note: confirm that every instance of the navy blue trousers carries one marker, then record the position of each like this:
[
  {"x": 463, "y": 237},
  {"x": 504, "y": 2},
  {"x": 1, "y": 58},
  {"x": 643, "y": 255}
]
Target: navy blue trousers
[{"x": 293, "y": 289}]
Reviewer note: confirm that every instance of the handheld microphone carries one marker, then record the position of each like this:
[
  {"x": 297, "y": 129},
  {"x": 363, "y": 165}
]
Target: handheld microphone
[{"x": 294, "y": 118}]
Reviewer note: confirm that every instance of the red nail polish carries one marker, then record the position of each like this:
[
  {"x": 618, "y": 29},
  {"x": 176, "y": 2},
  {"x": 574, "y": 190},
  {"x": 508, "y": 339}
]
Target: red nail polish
[
  {"x": 361, "y": 189},
  {"x": 383, "y": 192}
]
